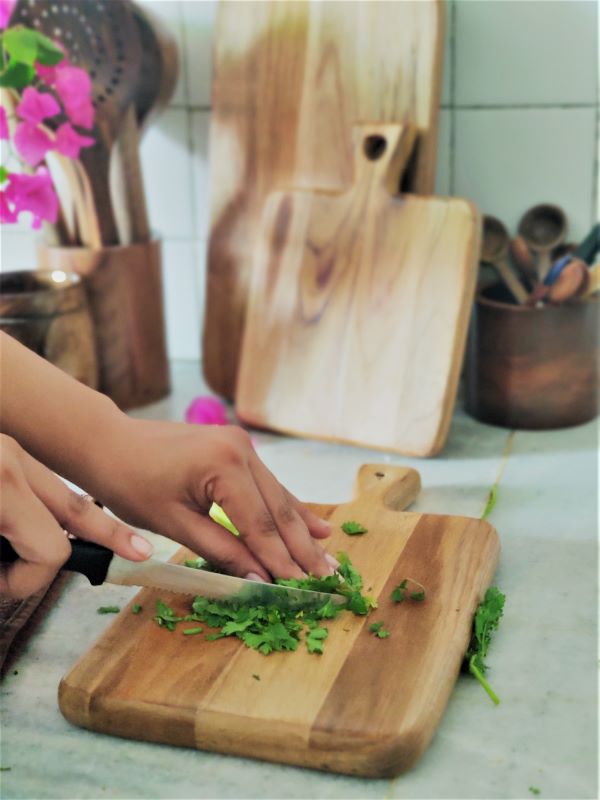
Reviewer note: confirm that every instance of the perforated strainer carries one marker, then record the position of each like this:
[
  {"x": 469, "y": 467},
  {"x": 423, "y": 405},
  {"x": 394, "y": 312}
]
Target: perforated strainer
[{"x": 102, "y": 37}]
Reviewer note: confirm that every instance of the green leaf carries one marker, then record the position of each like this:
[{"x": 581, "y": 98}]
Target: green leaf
[
  {"x": 108, "y": 610},
  {"x": 379, "y": 631},
  {"x": 48, "y": 53},
  {"x": 21, "y": 44},
  {"x": 398, "y": 595},
  {"x": 353, "y": 528},
  {"x": 3, "y": 174},
  {"x": 485, "y": 622},
  {"x": 136, "y": 608},
  {"x": 532, "y": 789},
  {"x": 17, "y": 76},
  {"x": 491, "y": 502},
  {"x": 192, "y": 631},
  {"x": 315, "y": 640},
  {"x": 417, "y": 595}
]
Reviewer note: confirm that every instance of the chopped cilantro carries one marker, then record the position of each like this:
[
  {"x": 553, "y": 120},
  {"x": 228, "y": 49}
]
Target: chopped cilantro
[
  {"x": 108, "y": 610},
  {"x": 5, "y": 769},
  {"x": 379, "y": 631},
  {"x": 194, "y": 563},
  {"x": 491, "y": 502},
  {"x": 136, "y": 609},
  {"x": 485, "y": 622},
  {"x": 353, "y": 528},
  {"x": 255, "y": 676},
  {"x": 399, "y": 593},
  {"x": 269, "y": 628},
  {"x": 192, "y": 631},
  {"x": 534, "y": 790}
]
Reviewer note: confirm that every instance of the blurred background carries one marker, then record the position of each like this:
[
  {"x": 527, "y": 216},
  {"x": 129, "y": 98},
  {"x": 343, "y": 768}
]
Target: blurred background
[{"x": 519, "y": 125}]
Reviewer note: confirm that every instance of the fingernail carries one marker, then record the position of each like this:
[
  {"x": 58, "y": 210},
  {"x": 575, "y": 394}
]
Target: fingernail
[
  {"x": 333, "y": 562},
  {"x": 141, "y": 545},
  {"x": 254, "y": 576}
]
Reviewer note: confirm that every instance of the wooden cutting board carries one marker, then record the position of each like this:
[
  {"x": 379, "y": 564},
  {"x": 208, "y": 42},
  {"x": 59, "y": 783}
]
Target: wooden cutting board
[
  {"x": 367, "y": 706},
  {"x": 289, "y": 81},
  {"x": 359, "y": 306}
]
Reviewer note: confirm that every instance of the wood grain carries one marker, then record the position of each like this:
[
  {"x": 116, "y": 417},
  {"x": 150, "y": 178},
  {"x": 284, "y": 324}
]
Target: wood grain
[
  {"x": 290, "y": 80},
  {"x": 358, "y": 308},
  {"x": 365, "y": 707}
]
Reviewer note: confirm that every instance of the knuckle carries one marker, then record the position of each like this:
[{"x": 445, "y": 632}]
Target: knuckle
[
  {"x": 76, "y": 507},
  {"x": 266, "y": 525},
  {"x": 60, "y": 552},
  {"x": 286, "y": 514}
]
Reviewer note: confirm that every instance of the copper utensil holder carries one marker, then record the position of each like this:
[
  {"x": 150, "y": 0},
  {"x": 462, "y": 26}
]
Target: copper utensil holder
[
  {"x": 532, "y": 368},
  {"x": 48, "y": 312},
  {"x": 124, "y": 289}
]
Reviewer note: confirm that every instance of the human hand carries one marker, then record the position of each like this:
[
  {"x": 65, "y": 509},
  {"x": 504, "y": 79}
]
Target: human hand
[
  {"x": 35, "y": 508},
  {"x": 164, "y": 477}
]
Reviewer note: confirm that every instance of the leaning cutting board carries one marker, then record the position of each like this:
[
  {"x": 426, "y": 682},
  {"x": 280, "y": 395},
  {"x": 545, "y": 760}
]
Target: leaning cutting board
[
  {"x": 289, "y": 81},
  {"x": 359, "y": 306},
  {"x": 365, "y": 707}
]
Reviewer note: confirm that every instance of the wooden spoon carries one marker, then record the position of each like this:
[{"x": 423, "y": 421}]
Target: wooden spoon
[
  {"x": 494, "y": 250},
  {"x": 102, "y": 37},
  {"x": 543, "y": 228}
]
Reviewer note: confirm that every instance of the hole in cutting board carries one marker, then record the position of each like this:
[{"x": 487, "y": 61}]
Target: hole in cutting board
[{"x": 374, "y": 147}]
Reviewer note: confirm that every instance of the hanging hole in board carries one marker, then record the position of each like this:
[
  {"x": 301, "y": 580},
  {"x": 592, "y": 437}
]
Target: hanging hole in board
[{"x": 374, "y": 147}]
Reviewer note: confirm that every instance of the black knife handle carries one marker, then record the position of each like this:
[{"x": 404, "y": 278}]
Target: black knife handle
[{"x": 88, "y": 558}]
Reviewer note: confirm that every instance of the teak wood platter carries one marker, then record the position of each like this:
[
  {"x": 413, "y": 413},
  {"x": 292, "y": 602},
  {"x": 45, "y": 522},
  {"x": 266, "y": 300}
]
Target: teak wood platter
[
  {"x": 290, "y": 79},
  {"x": 359, "y": 306},
  {"x": 367, "y": 706}
]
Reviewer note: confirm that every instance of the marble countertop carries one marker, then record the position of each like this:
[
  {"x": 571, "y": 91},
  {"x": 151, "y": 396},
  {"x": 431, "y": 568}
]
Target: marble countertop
[{"x": 543, "y": 661}]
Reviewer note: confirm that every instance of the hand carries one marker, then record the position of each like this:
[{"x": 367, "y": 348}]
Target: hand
[
  {"x": 36, "y": 507},
  {"x": 164, "y": 477}
]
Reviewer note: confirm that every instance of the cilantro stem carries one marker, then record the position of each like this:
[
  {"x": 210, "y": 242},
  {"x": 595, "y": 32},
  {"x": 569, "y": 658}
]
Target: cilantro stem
[{"x": 477, "y": 674}]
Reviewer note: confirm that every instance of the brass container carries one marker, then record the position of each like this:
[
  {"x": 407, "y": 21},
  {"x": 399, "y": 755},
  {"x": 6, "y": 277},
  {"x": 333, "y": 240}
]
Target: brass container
[{"x": 48, "y": 312}]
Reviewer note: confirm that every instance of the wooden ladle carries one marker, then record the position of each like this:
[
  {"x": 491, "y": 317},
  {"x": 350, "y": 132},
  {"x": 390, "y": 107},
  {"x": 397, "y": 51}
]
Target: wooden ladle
[
  {"x": 494, "y": 251},
  {"x": 543, "y": 228}
]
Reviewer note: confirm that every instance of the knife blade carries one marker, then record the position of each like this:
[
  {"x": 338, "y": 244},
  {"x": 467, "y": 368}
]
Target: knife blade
[{"x": 101, "y": 565}]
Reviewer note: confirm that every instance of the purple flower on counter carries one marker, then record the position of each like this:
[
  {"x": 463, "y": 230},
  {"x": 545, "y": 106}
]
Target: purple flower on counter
[{"x": 206, "y": 411}]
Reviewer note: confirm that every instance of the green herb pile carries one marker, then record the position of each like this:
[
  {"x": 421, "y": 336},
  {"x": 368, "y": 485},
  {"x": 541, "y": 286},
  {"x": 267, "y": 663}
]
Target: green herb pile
[
  {"x": 485, "y": 622},
  {"x": 269, "y": 628}
]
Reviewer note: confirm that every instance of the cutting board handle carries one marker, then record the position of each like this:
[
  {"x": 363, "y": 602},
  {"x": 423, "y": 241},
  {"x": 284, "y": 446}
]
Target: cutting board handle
[
  {"x": 393, "y": 487},
  {"x": 381, "y": 153}
]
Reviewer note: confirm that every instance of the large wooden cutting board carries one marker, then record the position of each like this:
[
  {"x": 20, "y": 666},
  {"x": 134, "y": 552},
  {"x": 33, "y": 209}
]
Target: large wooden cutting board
[
  {"x": 367, "y": 706},
  {"x": 290, "y": 79},
  {"x": 359, "y": 306}
]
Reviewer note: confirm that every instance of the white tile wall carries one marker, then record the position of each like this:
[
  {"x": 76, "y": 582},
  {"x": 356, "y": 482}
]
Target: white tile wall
[{"x": 519, "y": 124}]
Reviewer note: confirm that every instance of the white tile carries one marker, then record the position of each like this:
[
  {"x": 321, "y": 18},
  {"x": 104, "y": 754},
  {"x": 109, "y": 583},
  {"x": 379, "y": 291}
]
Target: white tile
[
  {"x": 199, "y": 22},
  {"x": 508, "y": 160},
  {"x": 442, "y": 178},
  {"x": 200, "y": 129},
  {"x": 169, "y": 13},
  {"x": 531, "y": 51},
  {"x": 167, "y": 166},
  {"x": 17, "y": 249},
  {"x": 182, "y": 288}
]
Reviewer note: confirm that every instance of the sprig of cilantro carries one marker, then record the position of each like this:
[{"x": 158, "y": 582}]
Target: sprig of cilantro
[
  {"x": 399, "y": 593},
  {"x": 353, "y": 528},
  {"x": 379, "y": 631},
  {"x": 485, "y": 622}
]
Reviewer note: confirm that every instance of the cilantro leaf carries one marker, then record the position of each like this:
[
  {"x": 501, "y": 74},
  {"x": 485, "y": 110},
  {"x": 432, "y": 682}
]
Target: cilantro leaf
[
  {"x": 108, "y": 610},
  {"x": 398, "y": 594},
  {"x": 136, "y": 609},
  {"x": 192, "y": 631},
  {"x": 485, "y": 622},
  {"x": 315, "y": 640},
  {"x": 256, "y": 676},
  {"x": 379, "y": 631},
  {"x": 353, "y": 528}
]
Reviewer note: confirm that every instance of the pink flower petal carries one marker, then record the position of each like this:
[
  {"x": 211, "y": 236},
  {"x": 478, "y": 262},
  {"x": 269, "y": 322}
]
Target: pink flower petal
[
  {"x": 74, "y": 88},
  {"x": 6, "y": 9},
  {"x": 33, "y": 193},
  {"x": 69, "y": 142},
  {"x": 36, "y": 106},
  {"x": 32, "y": 143},
  {"x": 7, "y": 214},
  {"x": 3, "y": 123},
  {"x": 206, "y": 411}
]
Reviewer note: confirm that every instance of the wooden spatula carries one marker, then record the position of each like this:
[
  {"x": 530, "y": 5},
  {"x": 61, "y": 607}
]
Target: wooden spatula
[{"x": 359, "y": 306}]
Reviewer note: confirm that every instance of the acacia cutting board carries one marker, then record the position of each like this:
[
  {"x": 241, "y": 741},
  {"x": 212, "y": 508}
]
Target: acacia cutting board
[
  {"x": 358, "y": 308},
  {"x": 289, "y": 81},
  {"x": 367, "y": 706}
]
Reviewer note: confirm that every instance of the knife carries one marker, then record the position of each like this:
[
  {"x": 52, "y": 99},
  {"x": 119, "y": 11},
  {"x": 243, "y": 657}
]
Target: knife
[{"x": 101, "y": 565}]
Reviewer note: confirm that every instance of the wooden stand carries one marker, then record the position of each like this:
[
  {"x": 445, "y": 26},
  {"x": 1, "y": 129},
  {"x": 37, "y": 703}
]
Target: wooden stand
[
  {"x": 532, "y": 368},
  {"x": 125, "y": 294}
]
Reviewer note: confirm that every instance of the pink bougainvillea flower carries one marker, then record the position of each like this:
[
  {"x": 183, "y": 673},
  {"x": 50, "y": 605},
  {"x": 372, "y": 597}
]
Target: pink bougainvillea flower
[
  {"x": 32, "y": 143},
  {"x": 36, "y": 106},
  {"x": 69, "y": 142},
  {"x": 33, "y": 193},
  {"x": 3, "y": 123},
  {"x": 6, "y": 9},
  {"x": 74, "y": 88},
  {"x": 206, "y": 411},
  {"x": 7, "y": 214}
]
